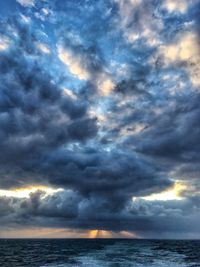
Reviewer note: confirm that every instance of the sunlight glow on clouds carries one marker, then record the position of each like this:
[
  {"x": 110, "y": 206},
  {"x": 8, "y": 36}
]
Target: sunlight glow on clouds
[
  {"x": 171, "y": 194},
  {"x": 185, "y": 49},
  {"x": 26, "y": 191},
  {"x": 111, "y": 234},
  {"x": 41, "y": 232},
  {"x": 105, "y": 85},
  {"x": 73, "y": 62}
]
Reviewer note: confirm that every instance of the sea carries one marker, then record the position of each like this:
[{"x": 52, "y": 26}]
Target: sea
[{"x": 98, "y": 253}]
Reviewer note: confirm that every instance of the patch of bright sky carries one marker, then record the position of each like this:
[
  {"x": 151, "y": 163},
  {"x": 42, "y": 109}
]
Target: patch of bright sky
[
  {"x": 24, "y": 192},
  {"x": 110, "y": 234},
  {"x": 173, "y": 193}
]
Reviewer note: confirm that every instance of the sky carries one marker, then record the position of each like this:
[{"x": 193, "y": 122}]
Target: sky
[{"x": 100, "y": 118}]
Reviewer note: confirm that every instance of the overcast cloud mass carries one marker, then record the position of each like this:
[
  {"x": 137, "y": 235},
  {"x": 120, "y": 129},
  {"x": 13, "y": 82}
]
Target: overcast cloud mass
[{"x": 99, "y": 102}]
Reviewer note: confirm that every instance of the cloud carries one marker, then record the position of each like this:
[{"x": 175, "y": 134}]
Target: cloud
[
  {"x": 105, "y": 85},
  {"x": 36, "y": 116},
  {"x": 185, "y": 49},
  {"x": 74, "y": 63},
  {"x": 4, "y": 43},
  {"x": 26, "y": 3},
  {"x": 87, "y": 66},
  {"x": 176, "y": 6},
  {"x": 43, "y": 48},
  {"x": 137, "y": 22},
  {"x": 105, "y": 107},
  {"x": 65, "y": 210}
]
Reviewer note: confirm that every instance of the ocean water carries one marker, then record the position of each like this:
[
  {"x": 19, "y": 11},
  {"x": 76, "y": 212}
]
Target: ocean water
[{"x": 98, "y": 253}]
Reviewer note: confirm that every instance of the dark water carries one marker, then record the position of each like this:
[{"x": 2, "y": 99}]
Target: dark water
[{"x": 103, "y": 253}]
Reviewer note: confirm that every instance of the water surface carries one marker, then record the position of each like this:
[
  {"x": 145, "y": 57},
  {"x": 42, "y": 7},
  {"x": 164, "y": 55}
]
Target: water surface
[{"x": 98, "y": 253}]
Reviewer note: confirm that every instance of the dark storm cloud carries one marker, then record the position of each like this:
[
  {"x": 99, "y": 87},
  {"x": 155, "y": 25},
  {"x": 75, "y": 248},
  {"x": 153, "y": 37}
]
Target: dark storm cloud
[
  {"x": 38, "y": 208},
  {"x": 68, "y": 209},
  {"x": 36, "y": 119},
  {"x": 175, "y": 133},
  {"x": 130, "y": 87},
  {"x": 36, "y": 116},
  {"x": 102, "y": 150},
  {"x": 110, "y": 175}
]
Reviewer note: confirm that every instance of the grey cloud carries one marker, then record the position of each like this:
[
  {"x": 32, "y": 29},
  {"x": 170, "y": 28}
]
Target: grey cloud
[{"x": 50, "y": 138}]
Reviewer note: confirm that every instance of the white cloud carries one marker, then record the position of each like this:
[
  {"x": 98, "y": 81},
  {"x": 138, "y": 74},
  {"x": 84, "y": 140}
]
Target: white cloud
[
  {"x": 76, "y": 66},
  {"x": 180, "y": 6},
  {"x": 26, "y": 3},
  {"x": 69, "y": 93},
  {"x": 43, "y": 48},
  {"x": 126, "y": 8},
  {"x": 147, "y": 27},
  {"x": 174, "y": 193},
  {"x": 74, "y": 63},
  {"x": 26, "y": 191},
  {"x": 4, "y": 43},
  {"x": 104, "y": 84},
  {"x": 25, "y": 19},
  {"x": 45, "y": 11},
  {"x": 184, "y": 49}
]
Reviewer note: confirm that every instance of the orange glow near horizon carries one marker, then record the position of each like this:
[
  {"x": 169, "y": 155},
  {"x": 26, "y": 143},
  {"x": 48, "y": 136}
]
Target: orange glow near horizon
[
  {"x": 41, "y": 232},
  {"x": 100, "y": 234},
  {"x": 93, "y": 233},
  {"x": 111, "y": 234}
]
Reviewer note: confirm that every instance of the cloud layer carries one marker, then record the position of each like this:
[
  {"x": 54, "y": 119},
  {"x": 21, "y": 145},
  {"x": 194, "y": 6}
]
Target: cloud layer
[{"x": 101, "y": 99}]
